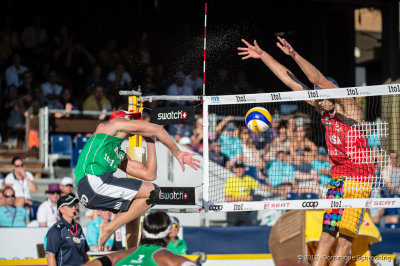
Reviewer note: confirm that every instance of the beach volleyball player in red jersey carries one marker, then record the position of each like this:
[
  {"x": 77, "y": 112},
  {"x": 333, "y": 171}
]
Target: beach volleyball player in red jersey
[{"x": 352, "y": 169}]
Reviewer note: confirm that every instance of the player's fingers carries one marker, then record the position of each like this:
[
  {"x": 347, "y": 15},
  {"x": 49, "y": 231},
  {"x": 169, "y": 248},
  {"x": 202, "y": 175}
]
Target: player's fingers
[
  {"x": 196, "y": 160},
  {"x": 245, "y": 42},
  {"x": 246, "y": 57},
  {"x": 243, "y": 48},
  {"x": 197, "y": 165},
  {"x": 255, "y": 43},
  {"x": 279, "y": 45},
  {"x": 243, "y": 53}
]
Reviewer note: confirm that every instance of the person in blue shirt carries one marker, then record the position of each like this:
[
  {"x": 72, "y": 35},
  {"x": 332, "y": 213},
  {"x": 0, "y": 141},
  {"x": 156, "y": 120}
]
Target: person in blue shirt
[
  {"x": 322, "y": 166},
  {"x": 93, "y": 231},
  {"x": 65, "y": 242},
  {"x": 11, "y": 216},
  {"x": 231, "y": 145},
  {"x": 281, "y": 173}
]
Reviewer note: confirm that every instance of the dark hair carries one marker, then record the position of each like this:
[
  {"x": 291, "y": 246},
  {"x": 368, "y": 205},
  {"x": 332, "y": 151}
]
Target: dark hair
[
  {"x": 7, "y": 188},
  {"x": 155, "y": 223},
  {"x": 14, "y": 159}
]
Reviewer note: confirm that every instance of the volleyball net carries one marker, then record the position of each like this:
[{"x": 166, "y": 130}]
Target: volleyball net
[{"x": 288, "y": 166}]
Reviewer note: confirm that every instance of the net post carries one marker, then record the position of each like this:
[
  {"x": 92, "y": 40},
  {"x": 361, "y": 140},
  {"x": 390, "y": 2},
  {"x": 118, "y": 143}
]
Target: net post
[
  {"x": 136, "y": 152},
  {"x": 205, "y": 157}
]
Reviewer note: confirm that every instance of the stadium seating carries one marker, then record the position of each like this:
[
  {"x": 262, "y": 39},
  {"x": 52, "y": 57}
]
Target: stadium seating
[
  {"x": 81, "y": 141},
  {"x": 61, "y": 144},
  {"x": 75, "y": 154},
  {"x": 392, "y": 226},
  {"x": 308, "y": 196},
  {"x": 293, "y": 196}
]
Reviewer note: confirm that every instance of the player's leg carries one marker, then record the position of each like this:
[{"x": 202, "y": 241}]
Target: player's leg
[
  {"x": 331, "y": 221},
  {"x": 146, "y": 197},
  {"x": 342, "y": 250}
]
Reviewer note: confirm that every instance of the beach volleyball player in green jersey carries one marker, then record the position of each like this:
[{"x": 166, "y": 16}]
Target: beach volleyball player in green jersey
[{"x": 101, "y": 156}]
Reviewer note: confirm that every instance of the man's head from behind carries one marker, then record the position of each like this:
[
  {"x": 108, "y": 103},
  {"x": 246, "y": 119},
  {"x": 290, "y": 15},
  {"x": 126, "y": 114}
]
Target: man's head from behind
[
  {"x": 239, "y": 168},
  {"x": 125, "y": 115}
]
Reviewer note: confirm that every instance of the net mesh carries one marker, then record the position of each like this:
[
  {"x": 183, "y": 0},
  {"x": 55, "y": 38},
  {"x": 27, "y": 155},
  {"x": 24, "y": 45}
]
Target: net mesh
[{"x": 306, "y": 154}]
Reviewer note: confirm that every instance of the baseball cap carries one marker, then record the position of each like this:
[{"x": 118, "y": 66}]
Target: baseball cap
[
  {"x": 239, "y": 164},
  {"x": 322, "y": 150},
  {"x": 185, "y": 141},
  {"x": 331, "y": 80},
  {"x": 66, "y": 200},
  {"x": 276, "y": 118},
  {"x": 122, "y": 113},
  {"x": 67, "y": 181},
  {"x": 230, "y": 126},
  {"x": 174, "y": 220}
]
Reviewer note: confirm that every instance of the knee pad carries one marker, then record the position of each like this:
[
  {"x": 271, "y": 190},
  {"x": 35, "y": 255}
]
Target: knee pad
[
  {"x": 105, "y": 261},
  {"x": 154, "y": 196}
]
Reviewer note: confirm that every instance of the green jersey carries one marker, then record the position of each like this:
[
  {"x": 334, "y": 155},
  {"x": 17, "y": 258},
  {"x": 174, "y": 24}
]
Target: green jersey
[
  {"x": 101, "y": 154},
  {"x": 143, "y": 256},
  {"x": 179, "y": 248}
]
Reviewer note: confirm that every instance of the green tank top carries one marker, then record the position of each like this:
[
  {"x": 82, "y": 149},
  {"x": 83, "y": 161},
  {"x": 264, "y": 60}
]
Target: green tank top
[
  {"x": 143, "y": 256},
  {"x": 101, "y": 154}
]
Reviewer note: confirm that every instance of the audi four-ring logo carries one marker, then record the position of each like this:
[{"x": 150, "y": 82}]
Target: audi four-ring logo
[
  {"x": 215, "y": 207},
  {"x": 311, "y": 204}
]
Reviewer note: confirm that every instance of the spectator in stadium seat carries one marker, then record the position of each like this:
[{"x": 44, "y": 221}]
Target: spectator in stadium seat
[
  {"x": 179, "y": 131},
  {"x": 281, "y": 143},
  {"x": 231, "y": 145},
  {"x": 65, "y": 242},
  {"x": 391, "y": 175},
  {"x": 22, "y": 182},
  {"x": 215, "y": 154},
  {"x": 119, "y": 79},
  {"x": 66, "y": 186},
  {"x": 240, "y": 188},
  {"x": 186, "y": 142},
  {"x": 306, "y": 177},
  {"x": 176, "y": 245},
  {"x": 197, "y": 137},
  {"x": 97, "y": 101},
  {"x": 251, "y": 156},
  {"x": 109, "y": 57},
  {"x": 64, "y": 103},
  {"x": 13, "y": 73},
  {"x": 322, "y": 166},
  {"x": 47, "y": 212},
  {"x": 10, "y": 215},
  {"x": 96, "y": 78},
  {"x": 27, "y": 86},
  {"x": 302, "y": 141},
  {"x": 51, "y": 89},
  {"x": 33, "y": 37},
  {"x": 93, "y": 231},
  {"x": 281, "y": 174},
  {"x": 194, "y": 81},
  {"x": 179, "y": 88},
  {"x": 14, "y": 108}
]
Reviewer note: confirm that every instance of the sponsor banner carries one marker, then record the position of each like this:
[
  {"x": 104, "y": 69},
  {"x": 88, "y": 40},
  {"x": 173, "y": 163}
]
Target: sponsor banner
[
  {"x": 304, "y": 95},
  {"x": 177, "y": 196},
  {"x": 319, "y": 204},
  {"x": 173, "y": 115}
]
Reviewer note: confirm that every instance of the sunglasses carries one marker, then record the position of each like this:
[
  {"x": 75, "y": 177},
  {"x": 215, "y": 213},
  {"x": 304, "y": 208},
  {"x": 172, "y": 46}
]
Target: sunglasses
[
  {"x": 19, "y": 165},
  {"x": 69, "y": 185},
  {"x": 176, "y": 226},
  {"x": 10, "y": 196},
  {"x": 71, "y": 205},
  {"x": 52, "y": 193}
]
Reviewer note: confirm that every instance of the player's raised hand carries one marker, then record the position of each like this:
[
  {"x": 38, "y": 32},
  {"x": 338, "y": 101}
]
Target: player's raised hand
[
  {"x": 251, "y": 51},
  {"x": 285, "y": 47},
  {"x": 187, "y": 158}
]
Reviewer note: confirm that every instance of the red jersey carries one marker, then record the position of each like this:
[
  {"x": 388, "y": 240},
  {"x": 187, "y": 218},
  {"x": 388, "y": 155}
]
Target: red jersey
[{"x": 348, "y": 149}]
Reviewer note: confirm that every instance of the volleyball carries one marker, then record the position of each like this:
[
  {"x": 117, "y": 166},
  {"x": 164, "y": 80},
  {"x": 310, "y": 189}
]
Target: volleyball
[{"x": 258, "y": 119}]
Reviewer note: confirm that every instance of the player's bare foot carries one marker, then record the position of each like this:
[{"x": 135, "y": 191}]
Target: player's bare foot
[{"x": 104, "y": 235}]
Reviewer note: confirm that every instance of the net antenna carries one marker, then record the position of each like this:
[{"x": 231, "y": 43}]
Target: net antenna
[
  {"x": 205, "y": 46},
  {"x": 366, "y": 143}
]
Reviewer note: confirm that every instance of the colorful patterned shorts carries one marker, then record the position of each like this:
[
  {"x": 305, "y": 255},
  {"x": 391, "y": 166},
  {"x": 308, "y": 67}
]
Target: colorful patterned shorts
[{"x": 346, "y": 221}]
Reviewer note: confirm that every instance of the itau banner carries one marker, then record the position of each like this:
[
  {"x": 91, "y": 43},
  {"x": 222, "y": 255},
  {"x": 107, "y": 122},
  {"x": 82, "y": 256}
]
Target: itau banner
[{"x": 173, "y": 115}]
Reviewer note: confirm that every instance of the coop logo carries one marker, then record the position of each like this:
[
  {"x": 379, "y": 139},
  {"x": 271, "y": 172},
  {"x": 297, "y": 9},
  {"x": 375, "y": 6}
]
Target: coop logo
[
  {"x": 215, "y": 207},
  {"x": 241, "y": 98},
  {"x": 310, "y": 204},
  {"x": 215, "y": 99},
  {"x": 173, "y": 115},
  {"x": 312, "y": 94},
  {"x": 174, "y": 195},
  {"x": 276, "y": 97}
]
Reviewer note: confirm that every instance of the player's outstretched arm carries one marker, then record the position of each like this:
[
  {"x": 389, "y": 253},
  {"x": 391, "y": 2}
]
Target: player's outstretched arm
[
  {"x": 312, "y": 73},
  {"x": 136, "y": 127},
  {"x": 287, "y": 77}
]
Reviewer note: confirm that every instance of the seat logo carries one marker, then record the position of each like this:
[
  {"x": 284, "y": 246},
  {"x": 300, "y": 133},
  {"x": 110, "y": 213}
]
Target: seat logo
[
  {"x": 215, "y": 207},
  {"x": 310, "y": 204}
]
